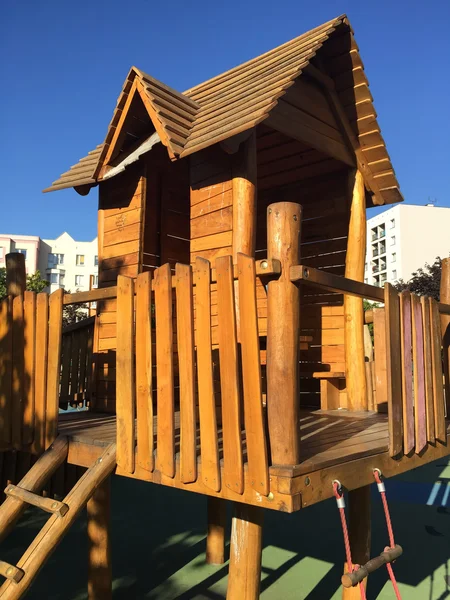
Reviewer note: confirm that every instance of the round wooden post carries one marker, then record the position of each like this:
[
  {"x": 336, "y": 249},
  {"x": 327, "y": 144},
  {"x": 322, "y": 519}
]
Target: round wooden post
[
  {"x": 283, "y": 330},
  {"x": 445, "y": 326},
  {"x": 355, "y": 370},
  {"x": 359, "y": 533},
  {"x": 244, "y": 198},
  {"x": 99, "y": 548},
  {"x": 245, "y": 553},
  {"x": 16, "y": 279},
  {"x": 215, "y": 539}
]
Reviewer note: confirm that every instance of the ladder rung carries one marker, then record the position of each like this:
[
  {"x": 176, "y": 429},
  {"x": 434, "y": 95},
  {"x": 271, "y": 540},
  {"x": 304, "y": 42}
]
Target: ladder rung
[
  {"x": 47, "y": 504},
  {"x": 10, "y": 571}
]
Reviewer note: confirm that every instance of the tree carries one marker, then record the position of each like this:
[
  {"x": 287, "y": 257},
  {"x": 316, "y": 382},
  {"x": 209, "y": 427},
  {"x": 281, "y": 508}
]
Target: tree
[
  {"x": 72, "y": 313},
  {"x": 35, "y": 283},
  {"x": 425, "y": 281}
]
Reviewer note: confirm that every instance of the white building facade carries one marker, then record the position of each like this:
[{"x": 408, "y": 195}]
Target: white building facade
[
  {"x": 69, "y": 264},
  {"x": 402, "y": 239},
  {"x": 64, "y": 262}
]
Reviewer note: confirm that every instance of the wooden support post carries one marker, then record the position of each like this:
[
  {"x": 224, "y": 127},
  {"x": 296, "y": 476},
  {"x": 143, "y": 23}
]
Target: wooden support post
[
  {"x": 244, "y": 198},
  {"x": 16, "y": 278},
  {"x": 283, "y": 331},
  {"x": 359, "y": 533},
  {"x": 445, "y": 329},
  {"x": 215, "y": 540},
  {"x": 99, "y": 549},
  {"x": 245, "y": 553},
  {"x": 353, "y": 307}
]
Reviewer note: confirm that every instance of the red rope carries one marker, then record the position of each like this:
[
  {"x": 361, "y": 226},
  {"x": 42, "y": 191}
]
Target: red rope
[
  {"x": 350, "y": 566},
  {"x": 382, "y": 491}
]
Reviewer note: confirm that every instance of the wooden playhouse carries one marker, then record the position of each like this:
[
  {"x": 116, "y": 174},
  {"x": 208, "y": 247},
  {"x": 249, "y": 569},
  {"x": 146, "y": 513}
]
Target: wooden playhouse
[{"x": 227, "y": 353}]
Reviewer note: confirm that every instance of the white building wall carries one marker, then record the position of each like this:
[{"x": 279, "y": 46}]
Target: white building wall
[
  {"x": 68, "y": 263},
  {"x": 413, "y": 235},
  {"x": 27, "y": 244}
]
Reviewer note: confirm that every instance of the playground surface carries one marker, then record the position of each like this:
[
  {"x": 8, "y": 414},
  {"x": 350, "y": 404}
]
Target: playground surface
[{"x": 158, "y": 546}]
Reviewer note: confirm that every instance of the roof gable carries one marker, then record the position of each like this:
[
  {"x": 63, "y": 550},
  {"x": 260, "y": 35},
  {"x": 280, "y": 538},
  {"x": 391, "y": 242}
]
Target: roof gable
[{"x": 247, "y": 95}]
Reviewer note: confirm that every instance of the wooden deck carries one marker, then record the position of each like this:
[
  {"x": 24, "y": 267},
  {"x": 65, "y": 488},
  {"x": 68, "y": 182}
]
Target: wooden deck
[{"x": 327, "y": 437}]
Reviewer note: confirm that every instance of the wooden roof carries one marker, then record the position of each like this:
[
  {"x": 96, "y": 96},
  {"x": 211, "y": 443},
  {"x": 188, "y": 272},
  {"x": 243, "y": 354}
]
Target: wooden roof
[{"x": 243, "y": 97}]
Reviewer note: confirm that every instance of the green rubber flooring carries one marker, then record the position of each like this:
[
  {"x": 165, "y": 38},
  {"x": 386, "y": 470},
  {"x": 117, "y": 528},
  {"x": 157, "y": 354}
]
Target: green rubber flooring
[{"x": 158, "y": 541}]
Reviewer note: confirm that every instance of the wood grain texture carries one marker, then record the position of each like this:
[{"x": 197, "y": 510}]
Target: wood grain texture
[
  {"x": 407, "y": 372},
  {"x": 233, "y": 470},
  {"x": 144, "y": 390},
  {"x": 17, "y": 371},
  {"x": 186, "y": 370},
  {"x": 165, "y": 454},
  {"x": 6, "y": 340},
  {"x": 53, "y": 365},
  {"x": 420, "y": 416},
  {"x": 125, "y": 373},
  {"x": 205, "y": 378},
  {"x": 437, "y": 372},
  {"x": 40, "y": 389},
  {"x": 251, "y": 374},
  {"x": 29, "y": 310},
  {"x": 393, "y": 369},
  {"x": 98, "y": 510},
  {"x": 428, "y": 369}
]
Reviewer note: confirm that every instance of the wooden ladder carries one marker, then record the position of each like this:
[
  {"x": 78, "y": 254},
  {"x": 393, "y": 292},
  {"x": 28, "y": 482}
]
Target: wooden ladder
[{"x": 19, "y": 577}]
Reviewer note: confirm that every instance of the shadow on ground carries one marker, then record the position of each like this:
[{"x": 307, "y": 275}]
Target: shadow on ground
[{"x": 158, "y": 540}]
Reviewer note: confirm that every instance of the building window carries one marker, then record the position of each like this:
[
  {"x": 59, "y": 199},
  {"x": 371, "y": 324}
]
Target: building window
[
  {"x": 394, "y": 274},
  {"x": 95, "y": 280},
  {"x": 383, "y": 278},
  {"x": 55, "y": 259},
  {"x": 53, "y": 278},
  {"x": 392, "y": 223},
  {"x": 61, "y": 279},
  {"x": 383, "y": 248},
  {"x": 79, "y": 280},
  {"x": 382, "y": 231},
  {"x": 393, "y": 240},
  {"x": 80, "y": 260},
  {"x": 96, "y": 261},
  {"x": 394, "y": 257},
  {"x": 22, "y": 251}
]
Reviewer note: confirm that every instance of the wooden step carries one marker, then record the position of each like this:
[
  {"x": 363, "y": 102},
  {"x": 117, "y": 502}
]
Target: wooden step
[
  {"x": 11, "y": 572},
  {"x": 47, "y": 504}
]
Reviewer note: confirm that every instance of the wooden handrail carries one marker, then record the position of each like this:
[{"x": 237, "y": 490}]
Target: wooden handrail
[{"x": 335, "y": 283}]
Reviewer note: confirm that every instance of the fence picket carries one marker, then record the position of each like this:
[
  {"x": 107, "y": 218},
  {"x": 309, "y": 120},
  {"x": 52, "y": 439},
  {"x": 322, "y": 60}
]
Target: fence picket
[
  {"x": 29, "y": 310},
  {"x": 17, "y": 372},
  {"x": 258, "y": 470},
  {"x": 420, "y": 416},
  {"x": 165, "y": 435},
  {"x": 233, "y": 468},
  {"x": 207, "y": 410},
  {"x": 436, "y": 356},
  {"x": 407, "y": 381},
  {"x": 186, "y": 371},
  {"x": 53, "y": 365},
  {"x": 144, "y": 395},
  {"x": 125, "y": 388},
  {"x": 428, "y": 369},
  {"x": 5, "y": 370},
  {"x": 40, "y": 388},
  {"x": 393, "y": 369}
]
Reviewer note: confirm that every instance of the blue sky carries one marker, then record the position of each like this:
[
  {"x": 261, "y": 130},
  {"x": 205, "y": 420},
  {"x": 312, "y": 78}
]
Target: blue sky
[{"x": 63, "y": 66}]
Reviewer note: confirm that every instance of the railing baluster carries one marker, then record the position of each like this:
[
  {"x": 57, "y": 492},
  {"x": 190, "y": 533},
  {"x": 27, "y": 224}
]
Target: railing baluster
[
  {"x": 258, "y": 470},
  {"x": 208, "y": 423},
  {"x": 393, "y": 369},
  {"x": 144, "y": 391},
  {"x": 165, "y": 452},
  {"x": 436, "y": 359},
  {"x": 407, "y": 373},
  {"x": 428, "y": 369},
  {"x": 420, "y": 416},
  {"x": 186, "y": 372},
  {"x": 233, "y": 470}
]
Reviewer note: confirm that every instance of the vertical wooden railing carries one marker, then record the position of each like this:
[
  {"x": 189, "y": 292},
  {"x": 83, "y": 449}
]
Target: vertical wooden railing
[
  {"x": 77, "y": 363},
  {"x": 181, "y": 405},
  {"x": 30, "y": 354},
  {"x": 414, "y": 377}
]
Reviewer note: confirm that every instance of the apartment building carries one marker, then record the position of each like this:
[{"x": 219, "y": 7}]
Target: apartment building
[
  {"x": 402, "y": 239},
  {"x": 64, "y": 262},
  {"x": 25, "y": 244}
]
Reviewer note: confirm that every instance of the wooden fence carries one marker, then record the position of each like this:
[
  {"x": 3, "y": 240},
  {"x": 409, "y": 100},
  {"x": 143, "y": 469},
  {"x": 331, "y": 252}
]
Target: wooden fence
[
  {"x": 30, "y": 349},
  {"x": 167, "y": 425},
  {"x": 77, "y": 363}
]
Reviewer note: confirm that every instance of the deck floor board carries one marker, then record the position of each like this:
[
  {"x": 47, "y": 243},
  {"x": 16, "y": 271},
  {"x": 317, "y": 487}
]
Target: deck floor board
[{"x": 327, "y": 437}]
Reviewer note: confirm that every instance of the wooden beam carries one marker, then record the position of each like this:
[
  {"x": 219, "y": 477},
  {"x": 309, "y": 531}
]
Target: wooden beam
[
  {"x": 215, "y": 539},
  {"x": 16, "y": 278},
  {"x": 244, "y": 198},
  {"x": 99, "y": 549},
  {"x": 353, "y": 306}
]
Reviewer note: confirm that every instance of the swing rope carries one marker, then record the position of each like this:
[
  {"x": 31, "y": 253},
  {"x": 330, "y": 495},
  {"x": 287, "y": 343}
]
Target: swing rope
[
  {"x": 340, "y": 501},
  {"x": 382, "y": 490}
]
